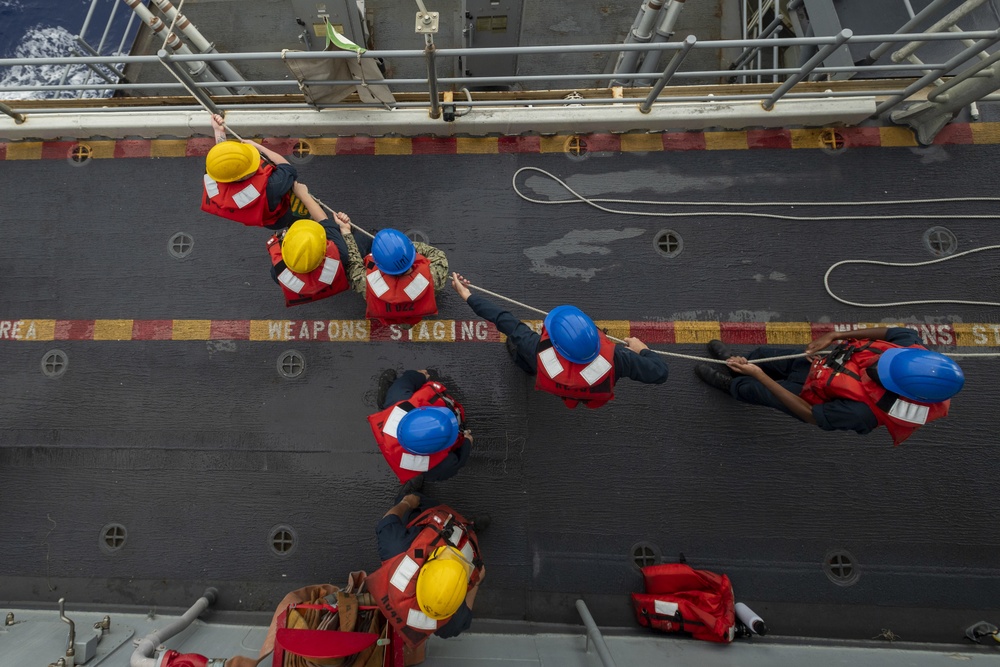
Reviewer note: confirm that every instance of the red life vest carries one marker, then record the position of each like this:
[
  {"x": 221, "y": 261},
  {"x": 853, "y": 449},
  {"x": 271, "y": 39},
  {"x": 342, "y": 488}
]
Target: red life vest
[
  {"x": 244, "y": 201},
  {"x": 591, "y": 384},
  {"x": 384, "y": 423},
  {"x": 404, "y": 299},
  {"x": 394, "y": 584},
  {"x": 325, "y": 280},
  {"x": 681, "y": 599},
  {"x": 843, "y": 374}
]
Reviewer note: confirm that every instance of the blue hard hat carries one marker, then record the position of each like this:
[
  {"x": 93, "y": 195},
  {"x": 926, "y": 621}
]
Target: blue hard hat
[
  {"x": 427, "y": 430},
  {"x": 920, "y": 375},
  {"x": 393, "y": 252},
  {"x": 573, "y": 334}
]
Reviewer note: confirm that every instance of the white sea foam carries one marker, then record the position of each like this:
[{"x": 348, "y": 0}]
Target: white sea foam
[{"x": 46, "y": 42}]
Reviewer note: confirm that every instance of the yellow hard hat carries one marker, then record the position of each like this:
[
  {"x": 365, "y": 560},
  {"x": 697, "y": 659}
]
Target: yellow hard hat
[
  {"x": 230, "y": 161},
  {"x": 304, "y": 246},
  {"x": 443, "y": 582}
]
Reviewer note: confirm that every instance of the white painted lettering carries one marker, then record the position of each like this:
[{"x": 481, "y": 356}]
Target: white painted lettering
[
  {"x": 440, "y": 333},
  {"x": 318, "y": 327},
  {"x": 482, "y": 331},
  {"x": 288, "y": 330},
  {"x": 347, "y": 330},
  {"x": 5, "y": 329},
  {"x": 468, "y": 330},
  {"x": 423, "y": 333},
  {"x": 996, "y": 332},
  {"x": 32, "y": 333},
  {"x": 929, "y": 334},
  {"x": 304, "y": 331},
  {"x": 395, "y": 333},
  {"x": 946, "y": 334},
  {"x": 979, "y": 334},
  {"x": 274, "y": 330},
  {"x": 15, "y": 332}
]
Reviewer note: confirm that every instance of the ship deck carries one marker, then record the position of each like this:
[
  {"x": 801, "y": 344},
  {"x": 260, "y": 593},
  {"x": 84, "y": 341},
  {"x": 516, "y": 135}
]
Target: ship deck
[{"x": 172, "y": 419}]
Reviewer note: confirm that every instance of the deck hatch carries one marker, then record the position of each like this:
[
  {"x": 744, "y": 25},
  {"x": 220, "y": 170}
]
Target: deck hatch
[
  {"x": 80, "y": 155},
  {"x": 841, "y": 567},
  {"x": 180, "y": 245},
  {"x": 291, "y": 364},
  {"x": 644, "y": 554},
  {"x": 282, "y": 540},
  {"x": 113, "y": 537},
  {"x": 54, "y": 363},
  {"x": 940, "y": 241},
  {"x": 668, "y": 243}
]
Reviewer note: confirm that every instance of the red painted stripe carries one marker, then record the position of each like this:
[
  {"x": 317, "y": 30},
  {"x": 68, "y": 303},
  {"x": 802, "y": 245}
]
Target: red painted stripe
[
  {"x": 382, "y": 332},
  {"x": 820, "y": 328},
  {"x": 3, "y": 150},
  {"x": 774, "y": 138},
  {"x": 57, "y": 150},
  {"x": 433, "y": 146},
  {"x": 355, "y": 146},
  {"x": 603, "y": 143},
  {"x": 960, "y": 133},
  {"x": 683, "y": 141},
  {"x": 653, "y": 332},
  {"x": 132, "y": 148},
  {"x": 476, "y": 331},
  {"x": 230, "y": 330},
  {"x": 199, "y": 146},
  {"x": 281, "y": 145},
  {"x": 74, "y": 330},
  {"x": 152, "y": 329},
  {"x": 519, "y": 144},
  {"x": 743, "y": 333},
  {"x": 860, "y": 137}
]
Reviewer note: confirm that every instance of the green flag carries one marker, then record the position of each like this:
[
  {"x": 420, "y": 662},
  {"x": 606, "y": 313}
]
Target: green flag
[{"x": 341, "y": 42}]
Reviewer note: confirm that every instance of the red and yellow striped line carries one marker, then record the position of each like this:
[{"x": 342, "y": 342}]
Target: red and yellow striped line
[
  {"x": 460, "y": 331},
  {"x": 847, "y": 137}
]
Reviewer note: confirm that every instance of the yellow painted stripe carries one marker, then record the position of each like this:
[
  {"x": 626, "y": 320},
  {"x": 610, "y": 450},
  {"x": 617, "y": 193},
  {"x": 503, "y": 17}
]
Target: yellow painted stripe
[
  {"x": 725, "y": 141},
  {"x": 807, "y": 138},
  {"x": 616, "y": 328},
  {"x": 985, "y": 133},
  {"x": 641, "y": 143},
  {"x": 101, "y": 150},
  {"x": 322, "y": 145},
  {"x": 24, "y": 150},
  {"x": 168, "y": 148},
  {"x": 192, "y": 329},
  {"x": 977, "y": 335},
  {"x": 556, "y": 144},
  {"x": 788, "y": 333},
  {"x": 112, "y": 329},
  {"x": 696, "y": 332},
  {"x": 36, "y": 330},
  {"x": 270, "y": 330},
  {"x": 394, "y": 146},
  {"x": 477, "y": 145},
  {"x": 897, "y": 136}
]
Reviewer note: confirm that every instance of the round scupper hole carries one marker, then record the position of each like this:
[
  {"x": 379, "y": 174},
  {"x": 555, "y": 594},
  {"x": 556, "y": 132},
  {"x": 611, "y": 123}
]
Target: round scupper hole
[
  {"x": 644, "y": 554},
  {"x": 80, "y": 155},
  {"x": 112, "y": 538},
  {"x": 180, "y": 245},
  {"x": 841, "y": 567},
  {"x": 668, "y": 243},
  {"x": 282, "y": 540},
  {"x": 417, "y": 236},
  {"x": 832, "y": 141},
  {"x": 54, "y": 363},
  {"x": 576, "y": 147},
  {"x": 940, "y": 241},
  {"x": 291, "y": 364},
  {"x": 302, "y": 152}
]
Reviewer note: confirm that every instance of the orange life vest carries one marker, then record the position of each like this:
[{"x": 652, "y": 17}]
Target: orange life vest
[
  {"x": 384, "y": 423},
  {"x": 244, "y": 201},
  {"x": 404, "y": 299},
  {"x": 591, "y": 384},
  {"x": 325, "y": 280},
  {"x": 394, "y": 584},
  {"x": 844, "y": 374}
]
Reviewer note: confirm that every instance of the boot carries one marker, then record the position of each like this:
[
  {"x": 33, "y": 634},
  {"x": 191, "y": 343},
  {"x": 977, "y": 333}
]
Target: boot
[
  {"x": 384, "y": 382},
  {"x": 713, "y": 376},
  {"x": 719, "y": 350}
]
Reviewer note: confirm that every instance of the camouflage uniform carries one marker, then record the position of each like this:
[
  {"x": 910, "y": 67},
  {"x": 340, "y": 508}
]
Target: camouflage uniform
[{"x": 356, "y": 265}]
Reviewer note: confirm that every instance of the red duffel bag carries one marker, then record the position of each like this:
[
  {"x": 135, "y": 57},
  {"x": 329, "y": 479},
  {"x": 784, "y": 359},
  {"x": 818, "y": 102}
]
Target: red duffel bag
[{"x": 681, "y": 599}]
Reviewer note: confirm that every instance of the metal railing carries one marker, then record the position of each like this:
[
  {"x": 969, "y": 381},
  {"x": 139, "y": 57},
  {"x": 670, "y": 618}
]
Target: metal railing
[{"x": 418, "y": 93}]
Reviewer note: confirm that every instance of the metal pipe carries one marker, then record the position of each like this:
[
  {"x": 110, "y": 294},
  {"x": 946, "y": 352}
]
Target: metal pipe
[
  {"x": 71, "y": 644},
  {"x": 949, "y": 19},
  {"x": 83, "y": 43},
  {"x": 979, "y": 70},
  {"x": 955, "y": 61},
  {"x": 594, "y": 633},
  {"x": 435, "y": 110},
  {"x": 142, "y": 656},
  {"x": 86, "y": 21},
  {"x": 186, "y": 81},
  {"x": 641, "y": 34},
  {"x": 772, "y": 27},
  {"x": 810, "y": 65},
  {"x": 664, "y": 31},
  {"x": 668, "y": 73},
  {"x": 107, "y": 27},
  {"x": 128, "y": 29},
  {"x": 879, "y": 50},
  {"x": 18, "y": 117}
]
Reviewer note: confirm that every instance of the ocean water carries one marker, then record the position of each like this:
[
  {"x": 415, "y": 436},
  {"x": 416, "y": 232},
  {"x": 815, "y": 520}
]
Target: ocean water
[{"x": 48, "y": 28}]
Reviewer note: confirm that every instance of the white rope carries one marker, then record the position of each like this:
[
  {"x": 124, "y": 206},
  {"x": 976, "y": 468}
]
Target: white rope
[
  {"x": 591, "y": 201},
  {"x": 888, "y": 304}
]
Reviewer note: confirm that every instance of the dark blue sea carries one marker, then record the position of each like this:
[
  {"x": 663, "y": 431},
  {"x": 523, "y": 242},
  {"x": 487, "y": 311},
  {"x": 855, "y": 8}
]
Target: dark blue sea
[{"x": 48, "y": 28}]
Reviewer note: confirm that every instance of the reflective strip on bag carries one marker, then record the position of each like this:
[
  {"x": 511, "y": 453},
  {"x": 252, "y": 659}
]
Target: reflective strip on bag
[{"x": 664, "y": 607}]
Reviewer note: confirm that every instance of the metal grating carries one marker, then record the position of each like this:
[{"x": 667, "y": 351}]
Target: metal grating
[
  {"x": 180, "y": 245},
  {"x": 80, "y": 155},
  {"x": 112, "y": 538},
  {"x": 841, "y": 567},
  {"x": 291, "y": 364},
  {"x": 940, "y": 241},
  {"x": 54, "y": 363},
  {"x": 668, "y": 243},
  {"x": 644, "y": 554},
  {"x": 282, "y": 540}
]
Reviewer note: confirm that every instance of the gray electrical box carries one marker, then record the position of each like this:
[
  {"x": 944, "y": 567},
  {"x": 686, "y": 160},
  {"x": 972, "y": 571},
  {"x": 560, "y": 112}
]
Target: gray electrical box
[
  {"x": 490, "y": 23},
  {"x": 347, "y": 17}
]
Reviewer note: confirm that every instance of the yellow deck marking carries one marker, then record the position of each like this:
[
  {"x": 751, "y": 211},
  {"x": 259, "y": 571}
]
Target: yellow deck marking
[
  {"x": 192, "y": 329},
  {"x": 112, "y": 329}
]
